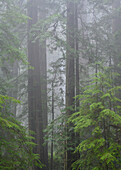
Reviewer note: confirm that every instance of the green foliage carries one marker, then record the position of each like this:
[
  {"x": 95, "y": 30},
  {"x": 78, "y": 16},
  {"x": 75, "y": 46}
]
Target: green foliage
[
  {"x": 59, "y": 138},
  {"x": 11, "y": 20},
  {"x": 57, "y": 161},
  {"x": 15, "y": 143},
  {"x": 13, "y": 61},
  {"x": 99, "y": 123}
]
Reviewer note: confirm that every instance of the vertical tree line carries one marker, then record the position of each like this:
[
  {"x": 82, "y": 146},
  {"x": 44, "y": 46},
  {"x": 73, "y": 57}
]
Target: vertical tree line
[
  {"x": 72, "y": 75},
  {"x": 37, "y": 85}
]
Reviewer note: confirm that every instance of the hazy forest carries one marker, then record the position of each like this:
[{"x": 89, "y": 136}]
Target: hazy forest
[{"x": 60, "y": 84}]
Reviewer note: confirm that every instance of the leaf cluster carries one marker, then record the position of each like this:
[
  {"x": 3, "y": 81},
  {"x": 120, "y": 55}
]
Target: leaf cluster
[
  {"x": 98, "y": 123},
  {"x": 16, "y": 146}
]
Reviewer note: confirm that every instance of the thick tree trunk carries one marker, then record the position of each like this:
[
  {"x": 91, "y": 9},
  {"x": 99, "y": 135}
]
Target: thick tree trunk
[
  {"x": 70, "y": 78},
  {"x": 77, "y": 135},
  {"x": 43, "y": 72},
  {"x": 34, "y": 84}
]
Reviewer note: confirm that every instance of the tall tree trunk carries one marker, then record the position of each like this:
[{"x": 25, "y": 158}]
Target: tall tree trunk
[
  {"x": 77, "y": 54},
  {"x": 77, "y": 78},
  {"x": 43, "y": 72},
  {"x": 117, "y": 41},
  {"x": 51, "y": 163},
  {"x": 34, "y": 84},
  {"x": 70, "y": 78}
]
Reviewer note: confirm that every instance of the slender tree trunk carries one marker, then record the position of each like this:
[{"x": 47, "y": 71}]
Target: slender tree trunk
[
  {"x": 51, "y": 164},
  {"x": 77, "y": 53}
]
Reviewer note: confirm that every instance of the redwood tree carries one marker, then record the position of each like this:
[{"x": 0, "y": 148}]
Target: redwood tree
[
  {"x": 37, "y": 59},
  {"x": 70, "y": 78}
]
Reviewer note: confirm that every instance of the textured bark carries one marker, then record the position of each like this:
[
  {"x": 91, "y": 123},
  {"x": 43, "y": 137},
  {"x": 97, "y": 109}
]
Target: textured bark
[{"x": 34, "y": 84}]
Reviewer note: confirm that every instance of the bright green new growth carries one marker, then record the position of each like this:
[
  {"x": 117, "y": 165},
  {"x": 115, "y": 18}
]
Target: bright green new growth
[
  {"x": 99, "y": 124},
  {"x": 15, "y": 143}
]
